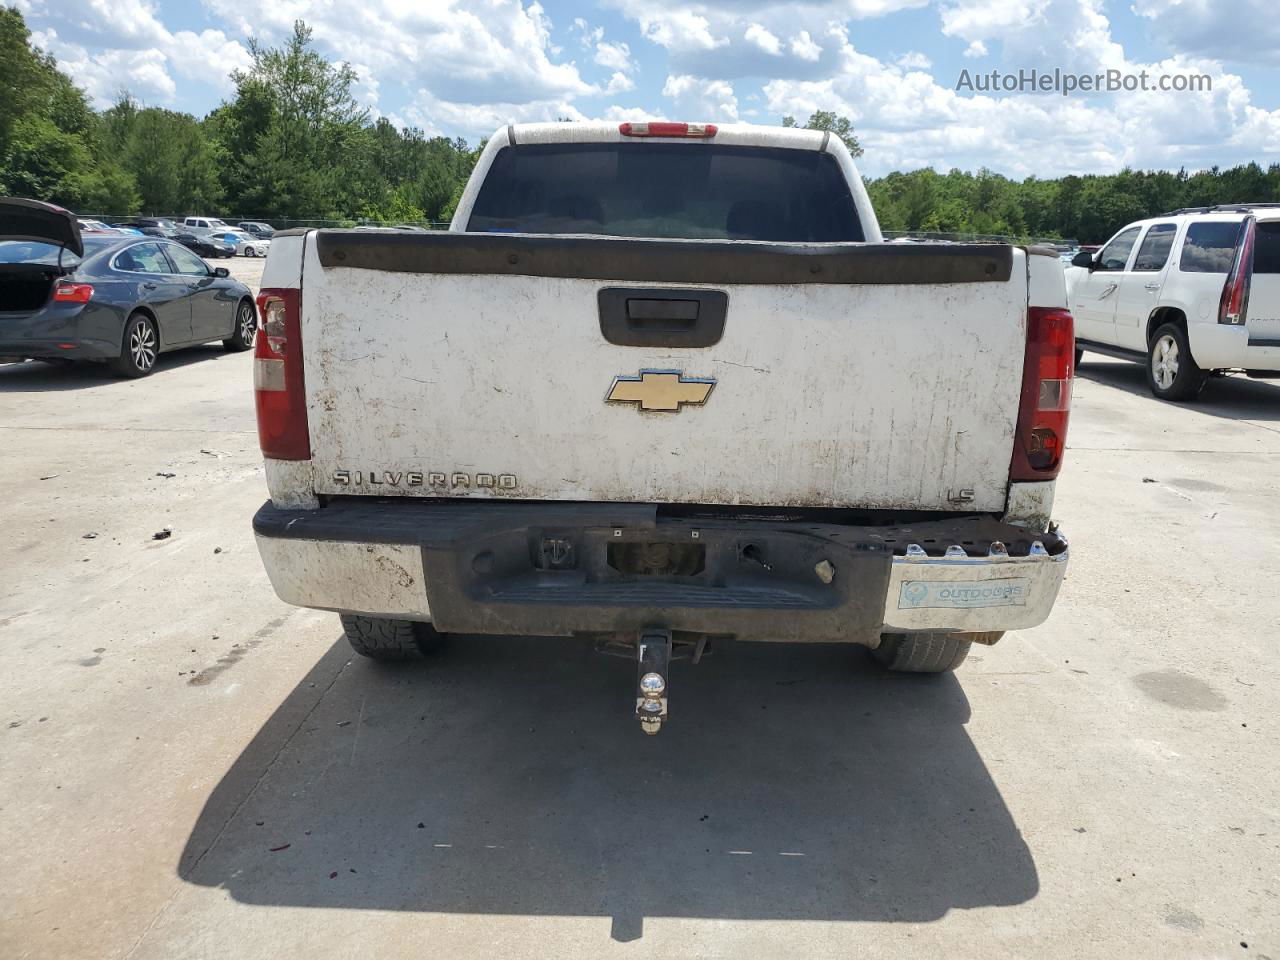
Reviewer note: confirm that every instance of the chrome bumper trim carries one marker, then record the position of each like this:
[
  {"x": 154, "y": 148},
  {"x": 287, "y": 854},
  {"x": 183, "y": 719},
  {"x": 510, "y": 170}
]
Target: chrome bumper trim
[{"x": 960, "y": 593}]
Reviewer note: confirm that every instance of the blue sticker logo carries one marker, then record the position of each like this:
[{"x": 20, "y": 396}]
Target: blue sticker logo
[
  {"x": 914, "y": 593},
  {"x": 964, "y": 594}
]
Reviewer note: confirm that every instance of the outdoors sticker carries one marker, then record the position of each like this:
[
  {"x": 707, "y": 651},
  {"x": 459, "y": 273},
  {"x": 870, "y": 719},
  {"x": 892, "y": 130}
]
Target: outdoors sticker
[{"x": 919, "y": 594}]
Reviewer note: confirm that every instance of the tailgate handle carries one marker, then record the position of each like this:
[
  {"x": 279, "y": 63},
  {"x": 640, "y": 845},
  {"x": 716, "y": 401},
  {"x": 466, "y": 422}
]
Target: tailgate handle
[
  {"x": 667, "y": 314},
  {"x": 637, "y": 317}
]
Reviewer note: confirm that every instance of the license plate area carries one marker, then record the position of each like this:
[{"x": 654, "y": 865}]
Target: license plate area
[
  {"x": 757, "y": 580},
  {"x": 657, "y": 558}
]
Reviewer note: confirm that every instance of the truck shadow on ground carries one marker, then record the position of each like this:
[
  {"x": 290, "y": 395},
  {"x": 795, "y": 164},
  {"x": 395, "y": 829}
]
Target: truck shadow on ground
[
  {"x": 1233, "y": 398},
  {"x": 36, "y": 377},
  {"x": 507, "y": 776}
]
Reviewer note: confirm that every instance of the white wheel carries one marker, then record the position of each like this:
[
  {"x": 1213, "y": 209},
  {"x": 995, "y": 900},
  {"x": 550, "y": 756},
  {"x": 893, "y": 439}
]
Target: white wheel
[
  {"x": 1172, "y": 373},
  {"x": 1164, "y": 362}
]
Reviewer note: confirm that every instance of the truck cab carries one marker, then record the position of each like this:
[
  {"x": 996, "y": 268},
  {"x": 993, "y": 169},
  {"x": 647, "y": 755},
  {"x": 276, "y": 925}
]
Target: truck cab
[{"x": 1159, "y": 292}]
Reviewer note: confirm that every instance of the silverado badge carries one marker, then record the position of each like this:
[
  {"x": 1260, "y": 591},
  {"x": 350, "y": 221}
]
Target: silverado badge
[{"x": 664, "y": 390}]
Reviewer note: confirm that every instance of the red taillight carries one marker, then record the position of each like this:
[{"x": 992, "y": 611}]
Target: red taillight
[
  {"x": 1233, "y": 305},
  {"x": 66, "y": 292},
  {"x": 278, "y": 386},
  {"x": 696, "y": 131},
  {"x": 1046, "y": 395}
]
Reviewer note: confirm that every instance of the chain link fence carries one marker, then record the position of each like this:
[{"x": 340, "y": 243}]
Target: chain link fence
[
  {"x": 285, "y": 223},
  {"x": 277, "y": 223}
]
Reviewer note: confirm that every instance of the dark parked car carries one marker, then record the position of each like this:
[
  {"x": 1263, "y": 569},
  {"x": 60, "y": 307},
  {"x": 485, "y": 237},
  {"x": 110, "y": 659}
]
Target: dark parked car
[
  {"x": 205, "y": 246},
  {"x": 260, "y": 230},
  {"x": 108, "y": 297},
  {"x": 152, "y": 226},
  {"x": 221, "y": 248}
]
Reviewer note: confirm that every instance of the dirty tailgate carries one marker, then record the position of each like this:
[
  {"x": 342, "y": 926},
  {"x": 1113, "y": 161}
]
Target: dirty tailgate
[{"x": 844, "y": 375}]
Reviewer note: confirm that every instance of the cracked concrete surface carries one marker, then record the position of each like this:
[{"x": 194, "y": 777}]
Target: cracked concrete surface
[{"x": 189, "y": 768}]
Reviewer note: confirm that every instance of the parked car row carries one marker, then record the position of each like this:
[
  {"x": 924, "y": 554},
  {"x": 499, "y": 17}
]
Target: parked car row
[
  {"x": 207, "y": 236},
  {"x": 69, "y": 293}
]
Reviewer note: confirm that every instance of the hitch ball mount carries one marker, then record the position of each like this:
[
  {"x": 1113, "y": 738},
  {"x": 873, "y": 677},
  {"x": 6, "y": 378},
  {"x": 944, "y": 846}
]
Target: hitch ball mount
[{"x": 654, "y": 663}]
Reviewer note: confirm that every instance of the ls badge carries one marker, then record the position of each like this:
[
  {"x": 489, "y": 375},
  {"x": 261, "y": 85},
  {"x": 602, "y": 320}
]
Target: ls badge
[{"x": 663, "y": 390}]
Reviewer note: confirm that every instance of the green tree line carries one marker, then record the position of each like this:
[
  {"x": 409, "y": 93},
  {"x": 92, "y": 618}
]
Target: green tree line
[
  {"x": 293, "y": 143},
  {"x": 1086, "y": 208}
]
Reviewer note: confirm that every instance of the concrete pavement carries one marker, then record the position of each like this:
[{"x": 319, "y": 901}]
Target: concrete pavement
[{"x": 189, "y": 768}]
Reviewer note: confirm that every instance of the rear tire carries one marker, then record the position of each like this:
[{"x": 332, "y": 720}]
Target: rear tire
[
  {"x": 1079, "y": 357},
  {"x": 139, "y": 349},
  {"x": 246, "y": 327},
  {"x": 1172, "y": 373},
  {"x": 381, "y": 638},
  {"x": 922, "y": 652}
]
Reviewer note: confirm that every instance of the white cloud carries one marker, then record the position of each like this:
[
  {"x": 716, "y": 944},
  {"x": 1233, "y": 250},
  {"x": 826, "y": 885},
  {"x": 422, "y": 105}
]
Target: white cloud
[
  {"x": 732, "y": 39},
  {"x": 699, "y": 99},
  {"x": 106, "y": 74},
  {"x": 612, "y": 56},
  {"x": 906, "y": 119},
  {"x": 108, "y": 54},
  {"x": 619, "y": 83},
  {"x": 590, "y": 35},
  {"x": 624, "y": 114},
  {"x": 615, "y": 56},
  {"x": 762, "y": 38},
  {"x": 699, "y": 36},
  {"x": 437, "y": 117},
  {"x": 802, "y": 46},
  {"x": 367, "y": 88},
  {"x": 481, "y": 52},
  {"x": 1073, "y": 34},
  {"x": 914, "y": 60},
  {"x": 1250, "y": 30},
  {"x": 677, "y": 30}
]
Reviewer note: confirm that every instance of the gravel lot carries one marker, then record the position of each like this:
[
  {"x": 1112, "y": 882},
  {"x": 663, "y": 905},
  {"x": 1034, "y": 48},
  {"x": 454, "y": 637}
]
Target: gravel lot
[{"x": 189, "y": 768}]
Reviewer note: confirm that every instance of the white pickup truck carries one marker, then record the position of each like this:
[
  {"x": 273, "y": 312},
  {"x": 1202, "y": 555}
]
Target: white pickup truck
[
  {"x": 659, "y": 384},
  {"x": 1189, "y": 294}
]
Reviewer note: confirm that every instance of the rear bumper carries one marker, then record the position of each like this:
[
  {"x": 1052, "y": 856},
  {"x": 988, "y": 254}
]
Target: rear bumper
[
  {"x": 74, "y": 348},
  {"x": 551, "y": 569},
  {"x": 62, "y": 330},
  {"x": 1218, "y": 346}
]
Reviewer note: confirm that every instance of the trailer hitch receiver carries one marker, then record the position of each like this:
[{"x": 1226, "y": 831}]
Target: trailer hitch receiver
[{"x": 654, "y": 662}]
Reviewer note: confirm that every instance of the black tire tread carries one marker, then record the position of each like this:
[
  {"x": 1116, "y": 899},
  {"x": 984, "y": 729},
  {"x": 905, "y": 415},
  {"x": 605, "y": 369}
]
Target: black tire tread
[
  {"x": 922, "y": 652},
  {"x": 382, "y": 638},
  {"x": 235, "y": 343},
  {"x": 1190, "y": 380},
  {"x": 123, "y": 365}
]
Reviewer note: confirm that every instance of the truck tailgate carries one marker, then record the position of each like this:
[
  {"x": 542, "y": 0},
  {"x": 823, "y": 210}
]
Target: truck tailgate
[{"x": 873, "y": 376}]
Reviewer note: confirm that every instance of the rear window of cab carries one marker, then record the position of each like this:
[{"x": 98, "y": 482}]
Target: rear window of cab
[{"x": 667, "y": 190}]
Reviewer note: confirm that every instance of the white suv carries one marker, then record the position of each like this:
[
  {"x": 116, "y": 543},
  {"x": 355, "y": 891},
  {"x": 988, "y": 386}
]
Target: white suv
[{"x": 1191, "y": 294}]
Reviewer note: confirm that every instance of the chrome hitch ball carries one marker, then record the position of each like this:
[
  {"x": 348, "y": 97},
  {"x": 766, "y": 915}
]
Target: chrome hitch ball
[{"x": 654, "y": 660}]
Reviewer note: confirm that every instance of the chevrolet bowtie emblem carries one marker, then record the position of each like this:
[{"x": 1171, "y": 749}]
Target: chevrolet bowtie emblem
[{"x": 667, "y": 390}]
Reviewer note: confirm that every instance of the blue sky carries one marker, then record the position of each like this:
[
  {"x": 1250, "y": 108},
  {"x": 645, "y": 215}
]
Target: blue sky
[{"x": 464, "y": 68}]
